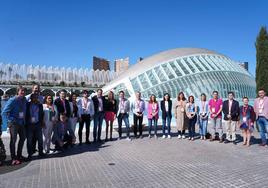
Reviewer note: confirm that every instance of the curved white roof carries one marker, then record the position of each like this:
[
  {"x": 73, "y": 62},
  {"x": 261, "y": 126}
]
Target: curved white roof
[{"x": 161, "y": 57}]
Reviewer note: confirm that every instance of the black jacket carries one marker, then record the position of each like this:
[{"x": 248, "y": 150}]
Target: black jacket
[
  {"x": 96, "y": 103},
  {"x": 109, "y": 106},
  {"x": 60, "y": 107},
  {"x": 28, "y": 114},
  {"x": 163, "y": 109},
  {"x": 235, "y": 111}
]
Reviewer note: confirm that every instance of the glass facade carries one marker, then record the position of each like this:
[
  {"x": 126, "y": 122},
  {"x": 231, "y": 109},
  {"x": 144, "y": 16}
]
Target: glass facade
[{"x": 194, "y": 74}]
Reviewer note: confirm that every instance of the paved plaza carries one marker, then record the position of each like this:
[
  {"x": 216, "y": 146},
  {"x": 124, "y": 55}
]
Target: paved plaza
[{"x": 146, "y": 163}]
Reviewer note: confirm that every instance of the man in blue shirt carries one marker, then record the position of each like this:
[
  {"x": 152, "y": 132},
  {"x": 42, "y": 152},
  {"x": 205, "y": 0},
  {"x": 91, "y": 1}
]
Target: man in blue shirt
[{"x": 14, "y": 112}]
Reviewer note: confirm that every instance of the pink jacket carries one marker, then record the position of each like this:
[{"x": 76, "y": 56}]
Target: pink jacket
[
  {"x": 150, "y": 111},
  {"x": 265, "y": 107}
]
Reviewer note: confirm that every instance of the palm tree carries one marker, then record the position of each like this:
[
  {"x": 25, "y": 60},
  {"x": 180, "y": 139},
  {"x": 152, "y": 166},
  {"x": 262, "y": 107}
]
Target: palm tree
[
  {"x": 17, "y": 77},
  {"x": 9, "y": 71},
  {"x": 1, "y": 74}
]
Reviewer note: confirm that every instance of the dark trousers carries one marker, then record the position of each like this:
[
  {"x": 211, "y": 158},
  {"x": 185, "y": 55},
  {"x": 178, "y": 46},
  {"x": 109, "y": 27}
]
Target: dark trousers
[
  {"x": 14, "y": 131},
  {"x": 98, "y": 119},
  {"x": 123, "y": 117},
  {"x": 85, "y": 119},
  {"x": 191, "y": 126},
  {"x": 137, "y": 124},
  {"x": 34, "y": 130},
  {"x": 67, "y": 140}
]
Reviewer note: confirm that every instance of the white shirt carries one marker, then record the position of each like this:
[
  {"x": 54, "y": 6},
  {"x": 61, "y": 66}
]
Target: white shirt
[{"x": 166, "y": 106}]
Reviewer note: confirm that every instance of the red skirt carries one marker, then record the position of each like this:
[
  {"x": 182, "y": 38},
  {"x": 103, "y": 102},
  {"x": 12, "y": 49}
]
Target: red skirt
[{"x": 109, "y": 116}]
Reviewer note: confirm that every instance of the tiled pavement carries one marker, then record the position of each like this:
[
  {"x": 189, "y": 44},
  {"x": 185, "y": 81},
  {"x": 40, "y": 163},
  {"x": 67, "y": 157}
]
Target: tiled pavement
[{"x": 147, "y": 163}]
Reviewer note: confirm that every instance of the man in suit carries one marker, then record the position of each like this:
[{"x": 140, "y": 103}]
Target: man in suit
[
  {"x": 231, "y": 116},
  {"x": 62, "y": 105},
  {"x": 34, "y": 125},
  {"x": 98, "y": 102}
]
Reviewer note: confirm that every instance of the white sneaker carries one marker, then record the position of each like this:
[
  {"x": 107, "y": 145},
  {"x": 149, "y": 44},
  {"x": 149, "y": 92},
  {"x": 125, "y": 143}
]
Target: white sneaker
[
  {"x": 179, "y": 136},
  {"x": 183, "y": 136},
  {"x": 189, "y": 138},
  {"x": 164, "y": 136},
  {"x": 155, "y": 136},
  {"x": 149, "y": 136},
  {"x": 128, "y": 139},
  {"x": 169, "y": 136}
]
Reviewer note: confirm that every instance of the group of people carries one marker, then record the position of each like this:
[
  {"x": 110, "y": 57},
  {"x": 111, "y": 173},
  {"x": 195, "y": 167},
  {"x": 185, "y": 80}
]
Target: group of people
[{"x": 45, "y": 121}]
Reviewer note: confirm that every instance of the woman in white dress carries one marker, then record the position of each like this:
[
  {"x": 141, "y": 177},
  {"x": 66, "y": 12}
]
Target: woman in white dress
[
  {"x": 74, "y": 114},
  {"x": 49, "y": 121}
]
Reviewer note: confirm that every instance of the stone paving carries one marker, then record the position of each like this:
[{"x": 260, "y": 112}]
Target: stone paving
[{"x": 146, "y": 163}]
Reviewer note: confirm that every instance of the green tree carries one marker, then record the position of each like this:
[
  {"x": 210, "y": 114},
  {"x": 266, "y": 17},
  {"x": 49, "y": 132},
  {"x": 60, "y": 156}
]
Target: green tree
[{"x": 262, "y": 60}]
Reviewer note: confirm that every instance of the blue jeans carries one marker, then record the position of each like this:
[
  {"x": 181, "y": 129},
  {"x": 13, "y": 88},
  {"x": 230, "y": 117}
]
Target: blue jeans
[
  {"x": 98, "y": 119},
  {"x": 167, "y": 122},
  {"x": 263, "y": 127},
  {"x": 150, "y": 122},
  {"x": 203, "y": 123},
  {"x": 191, "y": 127},
  {"x": 123, "y": 117}
]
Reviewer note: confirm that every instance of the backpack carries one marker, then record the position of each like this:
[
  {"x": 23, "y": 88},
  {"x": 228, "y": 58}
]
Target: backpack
[{"x": 2, "y": 151}]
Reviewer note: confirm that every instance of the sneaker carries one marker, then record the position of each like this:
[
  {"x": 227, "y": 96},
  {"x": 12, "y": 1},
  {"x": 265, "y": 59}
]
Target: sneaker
[
  {"x": 169, "y": 136},
  {"x": 192, "y": 139},
  {"x": 164, "y": 136},
  {"x": 155, "y": 136},
  {"x": 128, "y": 139},
  {"x": 183, "y": 136},
  {"x": 149, "y": 136},
  {"x": 179, "y": 136},
  {"x": 189, "y": 138}
]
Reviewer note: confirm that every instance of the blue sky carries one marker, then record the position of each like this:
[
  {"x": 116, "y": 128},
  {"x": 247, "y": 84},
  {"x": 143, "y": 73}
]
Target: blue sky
[{"x": 70, "y": 32}]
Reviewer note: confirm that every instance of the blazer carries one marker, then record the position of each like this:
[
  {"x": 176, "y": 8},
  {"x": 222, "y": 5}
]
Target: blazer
[
  {"x": 60, "y": 107},
  {"x": 235, "y": 110},
  {"x": 163, "y": 109},
  {"x": 150, "y": 111},
  {"x": 96, "y": 103},
  {"x": 109, "y": 106},
  {"x": 126, "y": 106},
  {"x": 28, "y": 113},
  {"x": 265, "y": 109}
]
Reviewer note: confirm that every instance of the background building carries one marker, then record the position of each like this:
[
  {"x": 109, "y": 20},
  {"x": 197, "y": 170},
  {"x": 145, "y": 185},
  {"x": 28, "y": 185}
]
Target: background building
[
  {"x": 100, "y": 64},
  {"x": 15, "y": 73},
  {"x": 244, "y": 65},
  {"x": 191, "y": 70},
  {"x": 121, "y": 65}
]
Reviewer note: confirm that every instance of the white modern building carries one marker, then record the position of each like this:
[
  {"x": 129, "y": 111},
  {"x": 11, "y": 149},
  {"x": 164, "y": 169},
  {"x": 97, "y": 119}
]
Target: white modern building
[{"x": 191, "y": 70}]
